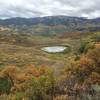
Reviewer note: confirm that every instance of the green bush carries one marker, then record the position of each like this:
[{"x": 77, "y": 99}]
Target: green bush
[
  {"x": 42, "y": 88},
  {"x": 19, "y": 95},
  {"x": 5, "y": 84}
]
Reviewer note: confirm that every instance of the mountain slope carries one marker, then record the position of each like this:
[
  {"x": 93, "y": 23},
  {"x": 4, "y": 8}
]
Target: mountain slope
[
  {"x": 50, "y": 20},
  {"x": 52, "y": 25}
]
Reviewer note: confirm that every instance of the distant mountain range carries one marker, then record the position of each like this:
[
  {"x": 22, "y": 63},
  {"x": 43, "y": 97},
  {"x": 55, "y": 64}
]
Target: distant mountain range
[
  {"x": 50, "y": 20},
  {"x": 52, "y": 25}
]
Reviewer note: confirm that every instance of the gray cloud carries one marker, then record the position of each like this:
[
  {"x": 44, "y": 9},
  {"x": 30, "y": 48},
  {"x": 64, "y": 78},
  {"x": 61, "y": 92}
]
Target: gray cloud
[{"x": 39, "y": 8}]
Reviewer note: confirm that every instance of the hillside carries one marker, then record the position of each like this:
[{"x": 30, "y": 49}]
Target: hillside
[
  {"x": 52, "y": 24},
  {"x": 27, "y": 72}
]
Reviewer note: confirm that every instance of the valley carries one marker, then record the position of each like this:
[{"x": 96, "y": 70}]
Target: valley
[{"x": 29, "y": 72}]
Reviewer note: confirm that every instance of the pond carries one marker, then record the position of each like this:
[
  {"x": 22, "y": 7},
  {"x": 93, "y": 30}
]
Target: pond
[{"x": 54, "y": 49}]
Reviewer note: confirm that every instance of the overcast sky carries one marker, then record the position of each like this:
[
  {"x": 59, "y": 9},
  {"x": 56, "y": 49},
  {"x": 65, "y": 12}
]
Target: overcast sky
[{"x": 40, "y": 8}]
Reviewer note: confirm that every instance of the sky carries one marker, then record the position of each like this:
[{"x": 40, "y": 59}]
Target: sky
[{"x": 41, "y": 8}]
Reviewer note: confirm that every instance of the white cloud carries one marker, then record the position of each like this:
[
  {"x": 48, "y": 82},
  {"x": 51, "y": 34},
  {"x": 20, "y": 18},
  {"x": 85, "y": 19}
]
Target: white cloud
[{"x": 37, "y": 8}]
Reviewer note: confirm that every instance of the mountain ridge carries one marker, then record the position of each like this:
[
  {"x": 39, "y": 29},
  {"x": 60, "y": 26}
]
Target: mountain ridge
[{"x": 49, "y": 20}]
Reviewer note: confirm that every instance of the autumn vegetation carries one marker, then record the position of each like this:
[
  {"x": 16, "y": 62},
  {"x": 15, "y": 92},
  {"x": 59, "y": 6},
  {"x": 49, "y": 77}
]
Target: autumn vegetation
[{"x": 24, "y": 78}]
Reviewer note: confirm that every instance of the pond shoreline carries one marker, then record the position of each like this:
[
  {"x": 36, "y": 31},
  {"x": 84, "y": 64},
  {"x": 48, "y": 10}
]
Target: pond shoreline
[{"x": 55, "y": 49}]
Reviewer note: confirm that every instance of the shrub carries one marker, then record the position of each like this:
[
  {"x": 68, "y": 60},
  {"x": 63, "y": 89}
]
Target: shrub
[{"x": 5, "y": 84}]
